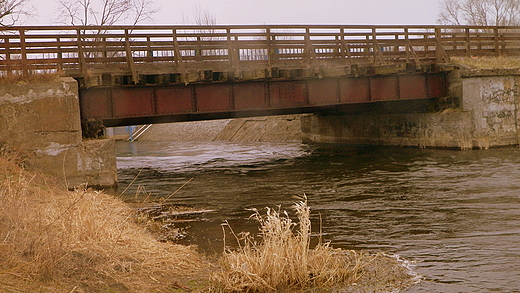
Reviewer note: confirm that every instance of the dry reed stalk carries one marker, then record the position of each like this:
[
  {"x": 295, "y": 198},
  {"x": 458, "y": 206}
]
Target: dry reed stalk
[
  {"x": 52, "y": 240},
  {"x": 283, "y": 260}
]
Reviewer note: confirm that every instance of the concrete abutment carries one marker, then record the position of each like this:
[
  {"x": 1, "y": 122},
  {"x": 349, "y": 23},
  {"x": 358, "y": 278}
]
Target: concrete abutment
[
  {"x": 484, "y": 115},
  {"x": 41, "y": 123}
]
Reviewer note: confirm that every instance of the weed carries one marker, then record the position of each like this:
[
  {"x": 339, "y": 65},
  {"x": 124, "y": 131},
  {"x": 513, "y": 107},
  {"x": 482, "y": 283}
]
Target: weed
[{"x": 283, "y": 260}]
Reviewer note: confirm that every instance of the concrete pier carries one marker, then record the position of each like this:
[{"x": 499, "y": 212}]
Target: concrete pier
[
  {"x": 41, "y": 123},
  {"x": 481, "y": 112}
]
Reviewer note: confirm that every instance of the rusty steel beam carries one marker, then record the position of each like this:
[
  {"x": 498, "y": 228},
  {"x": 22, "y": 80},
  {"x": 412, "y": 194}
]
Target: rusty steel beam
[{"x": 130, "y": 105}]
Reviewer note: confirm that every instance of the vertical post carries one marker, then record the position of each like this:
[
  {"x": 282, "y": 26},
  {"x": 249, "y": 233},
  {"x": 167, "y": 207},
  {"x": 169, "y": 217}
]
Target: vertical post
[
  {"x": 8, "y": 55},
  {"x": 198, "y": 51},
  {"x": 453, "y": 40},
  {"x": 426, "y": 47},
  {"x": 231, "y": 54},
  {"x": 308, "y": 45},
  {"x": 407, "y": 44},
  {"x": 23, "y": 52},
  {"x": 377, "y": 50},
  {"x": 269, "y": 48},
  {"x": 178, "y": 57},
  {"x": 176, "y": 51},
  {"x": 105, "y": 53},
  {"x": 438, "y": 45},
  {"x": 342, "y": 44},
  {"x": 130, "y": 58},
  {"x": 149, "y": 51},
  {"x": 59, "y": 53},
  {"x": 236, "y": 50},
  {"x": 81, "y": 57},
  {"x": 374, "y": 44},
  {"x": 467, "y": 44},
  {"x": 367, "y": 46},
  {"x": 497, "y": 44}
]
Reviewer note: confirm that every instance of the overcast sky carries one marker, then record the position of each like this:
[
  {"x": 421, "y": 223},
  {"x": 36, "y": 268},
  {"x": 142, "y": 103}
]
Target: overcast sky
[{"x": 281, "y": 11}]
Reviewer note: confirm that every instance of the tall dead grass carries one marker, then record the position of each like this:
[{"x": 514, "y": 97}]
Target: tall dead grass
[
  {"x": 488, "y": 62},
  {"x": 52, "y": 240},
  {"x": 284, "y": 261}
]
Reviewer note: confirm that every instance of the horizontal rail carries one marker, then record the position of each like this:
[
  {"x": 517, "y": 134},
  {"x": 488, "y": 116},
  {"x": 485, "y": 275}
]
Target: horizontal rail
[{"x": 132, "y": 50}]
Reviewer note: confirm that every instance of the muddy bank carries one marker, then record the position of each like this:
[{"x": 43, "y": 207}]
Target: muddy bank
[{"x": 286, "y": 128}]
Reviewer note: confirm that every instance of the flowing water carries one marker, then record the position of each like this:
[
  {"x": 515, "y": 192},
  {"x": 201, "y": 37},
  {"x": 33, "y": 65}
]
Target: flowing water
[{"x": 455, "y": 214}]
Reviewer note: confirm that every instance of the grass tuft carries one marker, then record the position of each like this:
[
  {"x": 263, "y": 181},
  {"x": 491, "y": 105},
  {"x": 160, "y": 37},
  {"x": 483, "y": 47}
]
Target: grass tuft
[{"x": 284, "y": 261}]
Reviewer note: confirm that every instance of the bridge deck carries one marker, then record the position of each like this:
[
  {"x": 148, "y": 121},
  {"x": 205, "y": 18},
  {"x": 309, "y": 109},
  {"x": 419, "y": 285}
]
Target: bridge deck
[
  {"x": 150, "y": 74},
  {"x": 127, "y": 54}
]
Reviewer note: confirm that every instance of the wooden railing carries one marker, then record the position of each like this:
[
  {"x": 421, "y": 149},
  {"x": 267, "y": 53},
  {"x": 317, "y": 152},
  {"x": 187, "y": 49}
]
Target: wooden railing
[{"x": 132, "y": 50}]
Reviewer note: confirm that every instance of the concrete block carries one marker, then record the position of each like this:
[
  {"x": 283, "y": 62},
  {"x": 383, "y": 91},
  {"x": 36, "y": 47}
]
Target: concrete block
[{"x": 41, "y": 122}]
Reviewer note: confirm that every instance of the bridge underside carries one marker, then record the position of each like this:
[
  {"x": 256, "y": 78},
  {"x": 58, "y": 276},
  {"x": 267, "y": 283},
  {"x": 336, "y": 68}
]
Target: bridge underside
[{"x": 163, "y": 103}]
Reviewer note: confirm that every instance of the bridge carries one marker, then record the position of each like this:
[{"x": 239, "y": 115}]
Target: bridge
[{"x": 152, "y": 74}]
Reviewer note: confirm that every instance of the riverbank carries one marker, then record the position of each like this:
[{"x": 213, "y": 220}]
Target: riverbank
[
  {"x": 52, "y": 240},
  {"x": 283, "y": 128}
]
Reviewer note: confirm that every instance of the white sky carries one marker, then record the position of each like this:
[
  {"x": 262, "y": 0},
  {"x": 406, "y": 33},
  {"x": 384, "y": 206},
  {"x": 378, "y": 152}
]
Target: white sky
[{"x": 279, "y": 11}]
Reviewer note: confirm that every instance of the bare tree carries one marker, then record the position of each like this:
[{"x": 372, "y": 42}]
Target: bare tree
[
  {"x": 203, "y": 16},
  {"x": 480, "y": 12},
  {"x": 105, "y": 12},
  {"x": 12, "y": 10}
]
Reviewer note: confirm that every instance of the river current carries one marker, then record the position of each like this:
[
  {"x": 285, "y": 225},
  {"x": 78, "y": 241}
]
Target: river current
[{"x": 454, "y": 214}]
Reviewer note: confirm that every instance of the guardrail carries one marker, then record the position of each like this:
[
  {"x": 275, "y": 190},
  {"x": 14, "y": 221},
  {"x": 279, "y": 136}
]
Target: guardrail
[{"x": 80, "y": 51}]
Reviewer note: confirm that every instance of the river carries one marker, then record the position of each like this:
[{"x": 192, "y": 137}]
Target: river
[{"x": 454, "y": 214}]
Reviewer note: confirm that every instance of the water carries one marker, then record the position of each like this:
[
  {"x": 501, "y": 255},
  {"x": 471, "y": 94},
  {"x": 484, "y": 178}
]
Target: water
[{"x": 456, "y": 214}]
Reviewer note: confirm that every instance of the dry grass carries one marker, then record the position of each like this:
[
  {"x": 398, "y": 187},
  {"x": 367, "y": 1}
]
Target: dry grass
[
  {"x": 488, "y": 62},
  {"x": 53, "y": 240},
  {"x": 283, "y": 261},
  {"x": 19, "y": 78}
]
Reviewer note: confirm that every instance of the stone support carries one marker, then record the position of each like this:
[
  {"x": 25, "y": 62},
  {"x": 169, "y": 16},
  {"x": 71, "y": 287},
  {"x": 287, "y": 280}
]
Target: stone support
[
  {"x": 485, "y": 116},
  {"x": 41, "y": 122}
]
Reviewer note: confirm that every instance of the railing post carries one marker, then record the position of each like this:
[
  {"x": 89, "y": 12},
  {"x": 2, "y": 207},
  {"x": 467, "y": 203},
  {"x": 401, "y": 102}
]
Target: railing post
[
  {"x": 467, "y": 44},
  {"x": 8, "y": 55},
  {"x": 407, "y": 45},
  {"x": 438, "y": 45},
  {"x": 149, "y": 51},
  {"x": 308, "y": 46},
  {"x": 440, "y": 55},
  {"x": 23, "y": 50},
  {"x": 198, "y": 51},
  {"x": 130, "y": 58},
  {"x": 377, "y": 50},
  {"x": 231, "y": 53},
  {"x": 59, "y": 53},
  {"x": 236, "y": 48},
  {"x": 105, "y": 53},
  {"x": 176, "y": 52},
  {"x": 177, "y": 57},
  {"x": 81, "y": 57},
  {"x": 342, "y": 45},
  {"x": 497, "y": 44},
  {"x": 269, "y": 48}
]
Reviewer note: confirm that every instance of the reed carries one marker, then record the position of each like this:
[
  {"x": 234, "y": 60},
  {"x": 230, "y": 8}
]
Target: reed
[
  {"x": 53, "y": 240},
  {"x": 284, "y": 261}
]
